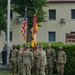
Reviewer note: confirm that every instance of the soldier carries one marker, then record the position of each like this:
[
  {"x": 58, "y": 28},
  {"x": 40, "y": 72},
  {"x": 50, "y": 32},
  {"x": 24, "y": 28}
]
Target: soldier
[
  {"x": 36, "y": 63},
  {"x": 20, "y": 65},
  {"x": 42, "y": 61},
  {"x": 4, "y": 54},
  {"x": 50, "y": 53},
  {"x": 27, "y": 58},
  {"x": 13, "y": 60},
  {"x": 61, "y": 60}
]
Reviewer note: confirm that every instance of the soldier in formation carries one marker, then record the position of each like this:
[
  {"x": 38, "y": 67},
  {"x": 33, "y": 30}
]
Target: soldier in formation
[
  {"x": 37, "y": 60},
  {"x": 61, "y": 60},
  {"x": 36, "y": 63},
  {"x": 13, "y": 60},
  {"x": 19, "y": 60},
  {"x": 42, "y": 61},
  {"x": 27, "y": 60},
  {"x": 50, "y": 53}
]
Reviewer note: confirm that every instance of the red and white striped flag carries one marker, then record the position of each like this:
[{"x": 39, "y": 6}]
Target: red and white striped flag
[{"x": 24, "y": 27}]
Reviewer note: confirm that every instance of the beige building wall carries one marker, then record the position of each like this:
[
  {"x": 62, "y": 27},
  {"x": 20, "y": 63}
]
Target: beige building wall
[
  {"x": 2, "y": 40},
  {"x": 17, "y": 37},
  {"x": 63, "y": 10}
]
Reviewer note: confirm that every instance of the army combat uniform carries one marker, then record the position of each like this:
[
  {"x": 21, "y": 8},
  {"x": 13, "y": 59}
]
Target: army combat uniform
[
  {"x": 42, "y": 62},
  {"x": 36, "y": 62},
  {"x": 27, "y": 58},
  {"x": 20, "y": 66},
  {"x": 61, "y": 60},
  {"x": 50, "y": 54},
  {"x": 13, "y": 61}
]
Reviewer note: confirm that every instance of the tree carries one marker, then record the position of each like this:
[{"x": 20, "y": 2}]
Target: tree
[
  {"x": 19, "y": 6},
  {"x": 3, "y": 25}
]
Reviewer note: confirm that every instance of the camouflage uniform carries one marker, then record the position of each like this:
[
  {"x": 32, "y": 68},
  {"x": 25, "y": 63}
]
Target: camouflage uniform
[
  {"x": 13, "y": 61},
  {"x": 20, "y": 66},
  {"x": 27, "y": 58},
  {"x": 36, "y": 63},
  {"x": 61, "y": 60},
  {"x": 42, "y": 61},
  {"x": 50, "y": 53}
]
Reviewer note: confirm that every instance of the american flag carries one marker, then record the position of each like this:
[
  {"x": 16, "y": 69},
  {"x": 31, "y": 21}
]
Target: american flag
[{"x": 24, "y": 26}]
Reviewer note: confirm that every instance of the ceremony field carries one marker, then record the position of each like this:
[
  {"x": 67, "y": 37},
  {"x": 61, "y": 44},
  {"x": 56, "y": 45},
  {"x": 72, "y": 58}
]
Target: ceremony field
[{"x": 5, "y": 72}]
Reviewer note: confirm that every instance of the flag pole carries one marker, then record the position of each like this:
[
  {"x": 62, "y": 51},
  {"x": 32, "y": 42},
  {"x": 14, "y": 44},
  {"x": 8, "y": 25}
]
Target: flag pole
[
  {"x": 36, "y": 33},
  {"x": 8, "y": 32},
  {"x": 27, "y": 25}
]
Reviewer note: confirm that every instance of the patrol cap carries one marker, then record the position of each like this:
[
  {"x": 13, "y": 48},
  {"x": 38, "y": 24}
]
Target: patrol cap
[
  {"x": 21, "y": 46},
  {"x": 49, "y": 44},
  {"x": 60, "y": 47},
  {"x": 41, "y": 46},
  {"x": 27, "y": 46},
  {"x": 13, "y": 45}
]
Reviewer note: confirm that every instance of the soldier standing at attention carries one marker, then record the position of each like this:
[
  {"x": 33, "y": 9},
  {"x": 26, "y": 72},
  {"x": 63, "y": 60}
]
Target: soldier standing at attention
[
  {"x": 4, "y": 54},
  {"x": 50, "y": 53},
  {"x": 61, "y": 60},
  {"x": 36, "y": 63},
  {"x": 20, "y": 65},
  {"x": 13, "y": 60},
  {"x": 27, "y": 58},
  {"x": 42, "y": 61}
]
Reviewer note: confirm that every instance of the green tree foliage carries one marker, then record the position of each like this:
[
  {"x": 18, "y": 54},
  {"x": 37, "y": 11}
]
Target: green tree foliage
[
  {"x": 3, "y": 4},
  {"x": 19, "y": 6}
]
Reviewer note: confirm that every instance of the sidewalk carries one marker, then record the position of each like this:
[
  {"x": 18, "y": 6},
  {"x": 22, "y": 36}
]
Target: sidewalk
[{"x": 4, "y": 67}]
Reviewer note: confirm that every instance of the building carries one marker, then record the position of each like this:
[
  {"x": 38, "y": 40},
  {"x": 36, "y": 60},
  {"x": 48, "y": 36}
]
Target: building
[{"x": 60, "y": 20}]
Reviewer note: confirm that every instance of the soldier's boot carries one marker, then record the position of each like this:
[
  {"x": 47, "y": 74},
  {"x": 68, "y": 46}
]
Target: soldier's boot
[
  {"x": 58, "y": 73},
  {"x": 62, "y": 74},
  {"x": 51, "y": 72},
  {"x": 14, "y": 74}
]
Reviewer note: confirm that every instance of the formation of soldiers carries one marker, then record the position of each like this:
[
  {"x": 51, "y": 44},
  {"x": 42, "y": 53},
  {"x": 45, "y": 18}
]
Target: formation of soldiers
[{"x": 37, "y": 61}]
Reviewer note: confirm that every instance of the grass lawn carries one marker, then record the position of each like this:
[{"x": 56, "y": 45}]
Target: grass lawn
[{"x": 5, "y": 72}]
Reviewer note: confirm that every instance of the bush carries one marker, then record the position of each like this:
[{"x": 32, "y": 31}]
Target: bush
[{"x": 70, "y": 52}]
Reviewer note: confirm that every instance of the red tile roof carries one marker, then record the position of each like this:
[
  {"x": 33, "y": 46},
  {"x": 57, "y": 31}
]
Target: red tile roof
[{"x": 61, "y": 0}]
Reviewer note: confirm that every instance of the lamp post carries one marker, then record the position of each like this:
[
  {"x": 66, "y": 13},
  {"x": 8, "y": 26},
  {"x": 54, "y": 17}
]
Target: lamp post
[{"x": 8, "y": 31}]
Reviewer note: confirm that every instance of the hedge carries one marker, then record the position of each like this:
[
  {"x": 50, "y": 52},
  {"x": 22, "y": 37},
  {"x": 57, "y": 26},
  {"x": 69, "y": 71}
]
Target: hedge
[{"x": 70, "y": 52}]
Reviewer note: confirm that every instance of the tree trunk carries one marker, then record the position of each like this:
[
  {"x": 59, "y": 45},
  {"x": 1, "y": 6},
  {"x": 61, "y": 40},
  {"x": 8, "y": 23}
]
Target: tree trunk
[{"x": 29, "y": 35}]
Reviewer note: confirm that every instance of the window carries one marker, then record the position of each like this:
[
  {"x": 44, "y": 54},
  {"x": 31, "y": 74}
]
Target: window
[
  {"x": 51, "y": 36},
  {"x": 11, "y": 14},
  {"x": 52, "y": 14},
  {"x": 73, "y": 32},
  {"x": 72, "y": 13},
  {"x": 10, "y": 36}
]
